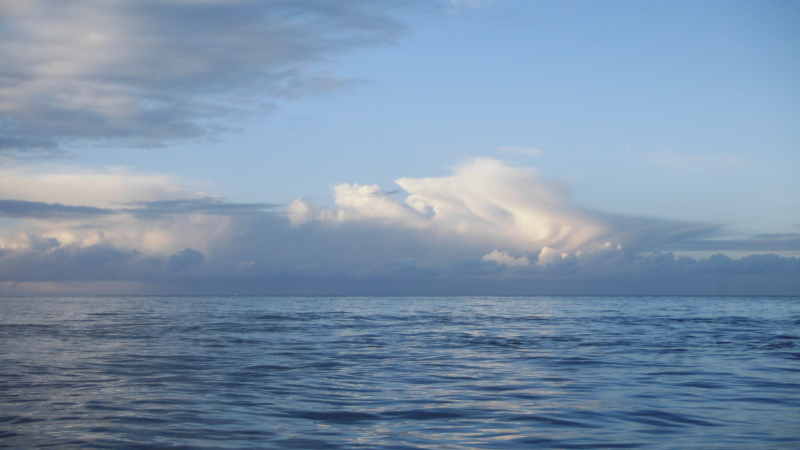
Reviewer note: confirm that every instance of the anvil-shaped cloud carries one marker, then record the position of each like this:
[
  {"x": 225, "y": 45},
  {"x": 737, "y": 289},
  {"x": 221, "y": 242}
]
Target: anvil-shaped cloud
[
  {"x": 487, "y": 228},
  {"x": 486, "y": 201}
]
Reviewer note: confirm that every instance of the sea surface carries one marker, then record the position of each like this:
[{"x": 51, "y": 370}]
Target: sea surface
[{"x": 400, "y": 373}]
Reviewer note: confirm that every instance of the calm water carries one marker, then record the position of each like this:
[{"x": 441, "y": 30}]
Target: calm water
[{"x": 400, "y": 373}]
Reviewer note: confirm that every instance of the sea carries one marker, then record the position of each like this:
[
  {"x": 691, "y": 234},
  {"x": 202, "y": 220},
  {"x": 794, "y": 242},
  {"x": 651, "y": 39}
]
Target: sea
[{"x": 400, "y": 373}]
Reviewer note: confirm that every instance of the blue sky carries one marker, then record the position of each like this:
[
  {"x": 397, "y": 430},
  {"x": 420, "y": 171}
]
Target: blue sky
[
  {"x": 676, "y": 122},
  {"x": 683, "y": 110}
]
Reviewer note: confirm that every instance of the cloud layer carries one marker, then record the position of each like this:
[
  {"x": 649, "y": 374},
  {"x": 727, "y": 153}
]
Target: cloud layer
[
  {"x": 488, "y": 228},
  {"x": 145, "y": 72},
  {"x": 491, "y": 203}
]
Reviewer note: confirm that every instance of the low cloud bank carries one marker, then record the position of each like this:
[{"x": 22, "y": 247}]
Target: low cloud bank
[
  {"x": 486, "y": 229},
  {"x": 48, "y": 269}
]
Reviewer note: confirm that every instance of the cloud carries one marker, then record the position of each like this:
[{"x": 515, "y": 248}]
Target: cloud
[
  {"x": 488, "y": 202},
  {"x": 505, "y": 259},
  {"x": 185, "y": 259},
  {"x": 189, "y": 272},
  {"x": 485, "y": 206},
  {"x": 776, "y": 235},
  {"x": 106, "y": 188},
  {"x": 40, "y": 210},
  {"x": 207, "y": 205},
  {"x": 20, "y": 209},
  {"x": 98, "y": 262},
  {"x": 757, "y": 243},
  {"x": 149, "y": 213},
  {"x": 146, "y": 72},
  {"x": 487, "y": 228}
]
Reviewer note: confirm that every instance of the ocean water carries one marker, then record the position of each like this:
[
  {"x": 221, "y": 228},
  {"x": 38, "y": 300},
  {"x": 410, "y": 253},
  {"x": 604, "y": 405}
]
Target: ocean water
[{"x": 400, "y": 373}]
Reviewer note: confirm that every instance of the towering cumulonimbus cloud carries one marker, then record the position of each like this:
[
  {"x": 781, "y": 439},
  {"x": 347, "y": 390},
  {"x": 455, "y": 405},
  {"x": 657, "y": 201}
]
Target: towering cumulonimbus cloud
[
  {"x": 512, "y": 209},
  {"x": 488, "y": 228},
  {"x": 485, "y": 210}
]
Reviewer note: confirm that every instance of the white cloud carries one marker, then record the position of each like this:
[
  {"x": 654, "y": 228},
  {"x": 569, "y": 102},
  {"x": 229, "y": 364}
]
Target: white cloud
[
  {"x": 485, "y": 220},
  {"x": 483, "y": 206},
  {"x": 162, "y": 235},
  {"x": 507, "y": 260},
  {"x": 483, "y": 201},
  {"x": 120, "y": 192},
  {"x": 548, "y": 255},
  {"x": 107, "y": 188}
]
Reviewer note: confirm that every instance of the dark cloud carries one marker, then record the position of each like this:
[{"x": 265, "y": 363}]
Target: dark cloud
[
  {"x": 39, "y": 243},
  {"x": 145, "y": 72},
  {"x": 759, "y": 243},
  {"x": 209, "y": 205},
  {"x": 185, "y": 259},
  {"x": 20, "y": 209},
  {"x": 100, "y": 262},
  {"x": 646, "y": 234},
  {"x": 343, "y": 262},
  {"x": 23, "y": 143},
  {"x": 776, "y": 235},
  {"x": 487, "y": 230},
  {"x": 71, "y": 262},
  {"x": 40, "y": 210}
]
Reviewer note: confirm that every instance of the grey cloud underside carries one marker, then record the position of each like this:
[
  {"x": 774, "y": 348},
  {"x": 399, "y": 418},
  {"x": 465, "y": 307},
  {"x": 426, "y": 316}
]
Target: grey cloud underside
[
  {"x": 22, "y": 142},
  {"x": 94, "y": 263},
  {"x": 208, "y": 205},
  {"x": 19, "y": 209},
  {"x": 776, "y": 235},
  {"x": 258, "y": 251},
  {"x": 658, "y": 274},
  {"x": 146, "y": 72},
  {"x": 758, "y": 243},
  {"x": 38, "y": 210},
  {"x": 190, "y": 272},
  {"x": 641, "y": 234}
]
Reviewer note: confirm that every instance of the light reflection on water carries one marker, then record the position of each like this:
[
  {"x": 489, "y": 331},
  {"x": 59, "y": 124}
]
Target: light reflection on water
[{"x": 400, "y": 373}]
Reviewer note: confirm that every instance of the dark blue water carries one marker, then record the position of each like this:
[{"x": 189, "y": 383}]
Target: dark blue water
[{"x": 397, "y": 373}]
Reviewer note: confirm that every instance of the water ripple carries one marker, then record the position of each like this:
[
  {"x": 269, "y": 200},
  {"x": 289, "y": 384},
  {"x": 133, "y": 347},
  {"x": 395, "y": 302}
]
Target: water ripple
[{"x": 400, "y": 373}]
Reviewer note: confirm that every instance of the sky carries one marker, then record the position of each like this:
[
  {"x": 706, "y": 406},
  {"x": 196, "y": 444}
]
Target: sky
[{"x": 407, "y": 147}]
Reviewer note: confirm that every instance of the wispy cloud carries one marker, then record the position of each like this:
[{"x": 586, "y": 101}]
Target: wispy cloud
[
  {"x": 208, "y": 205},
  {"x": 758, "y": 243},
  {"x": 145, "y": 72},
  {"x": 23, "y": 209},
  {"x": 20, "y": 209}
]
